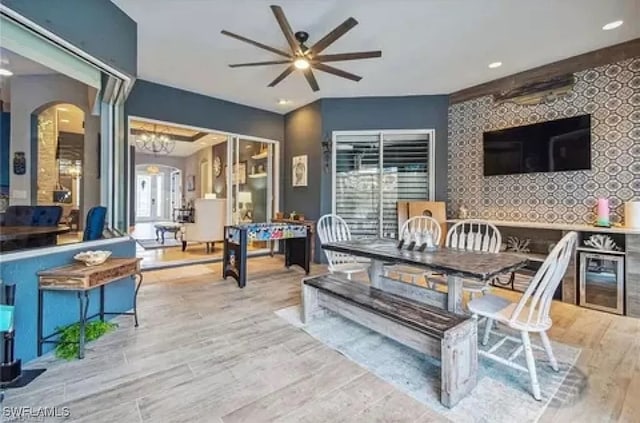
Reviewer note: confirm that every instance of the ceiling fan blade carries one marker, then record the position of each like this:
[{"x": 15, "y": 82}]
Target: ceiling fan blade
[
  {"x": 272, "y": 62},
  {"x": 308, "y": 73},
  {"x": 286, "y": 29},
  {"x": 335, "y": 71},
  {"x": 347, "y": 56},
  {"x": 282, "y": 76},
  {"x": 255, "y": 43},
  {"x": 338, "y": 32}
]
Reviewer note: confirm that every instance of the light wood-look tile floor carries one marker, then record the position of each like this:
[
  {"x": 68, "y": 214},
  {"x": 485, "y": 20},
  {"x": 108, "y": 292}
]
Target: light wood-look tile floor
[{"x": 207, "y": 351}]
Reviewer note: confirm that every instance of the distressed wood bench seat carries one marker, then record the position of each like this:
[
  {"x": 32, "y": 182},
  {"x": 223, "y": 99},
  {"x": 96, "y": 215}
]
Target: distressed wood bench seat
[{"x": 425, "y": 328}]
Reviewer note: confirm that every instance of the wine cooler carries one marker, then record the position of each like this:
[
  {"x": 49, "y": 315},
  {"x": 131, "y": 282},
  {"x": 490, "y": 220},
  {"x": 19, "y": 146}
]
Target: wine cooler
[{"x": 602, "y": 281}]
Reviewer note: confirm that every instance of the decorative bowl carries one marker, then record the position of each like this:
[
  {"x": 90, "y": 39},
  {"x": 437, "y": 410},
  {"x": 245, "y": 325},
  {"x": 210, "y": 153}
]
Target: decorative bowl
[{"x": 92, "y": 258}]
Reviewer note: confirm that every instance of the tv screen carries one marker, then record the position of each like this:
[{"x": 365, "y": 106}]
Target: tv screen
[{"x": 553, "y": 146}]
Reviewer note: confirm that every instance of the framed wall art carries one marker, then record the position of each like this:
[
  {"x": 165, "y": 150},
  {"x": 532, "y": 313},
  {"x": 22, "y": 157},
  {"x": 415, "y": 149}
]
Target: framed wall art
[{"x": 299, "y": 171}]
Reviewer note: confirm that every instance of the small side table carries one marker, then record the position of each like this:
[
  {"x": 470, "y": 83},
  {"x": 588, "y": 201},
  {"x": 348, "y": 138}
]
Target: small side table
[
  {"x": 81, "y": 279},
  {"x": 171, "y": 227}
]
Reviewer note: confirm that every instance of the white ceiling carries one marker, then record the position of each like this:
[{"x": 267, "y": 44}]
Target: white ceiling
[
  {"x": 20, "y": 65},
  {"x": 428, "y": 46}
]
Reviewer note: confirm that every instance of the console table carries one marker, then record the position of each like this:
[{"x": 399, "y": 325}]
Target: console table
[
  {"x": 297, "y": 246},
  {"x": 81, "y": 279}
]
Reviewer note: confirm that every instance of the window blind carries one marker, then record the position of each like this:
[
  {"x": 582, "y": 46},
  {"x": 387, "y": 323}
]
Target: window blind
[{"x": 373, "y": 171}]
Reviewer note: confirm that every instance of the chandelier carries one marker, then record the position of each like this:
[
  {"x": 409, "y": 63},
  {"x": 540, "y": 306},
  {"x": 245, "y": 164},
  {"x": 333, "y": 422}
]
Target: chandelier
[{"x": 155, "y": 142}]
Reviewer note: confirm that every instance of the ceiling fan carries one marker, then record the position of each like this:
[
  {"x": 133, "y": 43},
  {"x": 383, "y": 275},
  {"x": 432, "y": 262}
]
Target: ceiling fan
[{"x": 303, "y": 57}]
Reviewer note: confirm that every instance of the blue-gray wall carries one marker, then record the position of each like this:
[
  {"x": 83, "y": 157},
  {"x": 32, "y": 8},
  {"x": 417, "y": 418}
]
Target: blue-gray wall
[
  {"x": 308, "y": 126},
  {"x": 98, "y": 27},
  {"x": 60, "y": 308},
  {"x": 303, "y": 131},
  {"x": 369, "y": 113},
  {"x": 161, "y": 102}
]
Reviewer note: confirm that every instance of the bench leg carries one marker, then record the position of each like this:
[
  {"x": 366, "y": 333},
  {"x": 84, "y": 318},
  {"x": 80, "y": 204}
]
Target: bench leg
[
  {"x": 459, "y": 362},
  {"x": 310, "y": 305}
]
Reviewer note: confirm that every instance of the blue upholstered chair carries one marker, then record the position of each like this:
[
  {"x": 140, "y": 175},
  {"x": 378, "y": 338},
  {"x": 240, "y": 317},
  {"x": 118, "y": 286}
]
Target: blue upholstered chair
[
  {"x": 18, "y": 216},
  {"x": 46, "y": 215},
  {"x": 95, "y": 223}
]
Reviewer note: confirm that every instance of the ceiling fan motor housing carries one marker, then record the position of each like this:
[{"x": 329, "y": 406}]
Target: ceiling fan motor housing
[{"x": 302, "y": 37}]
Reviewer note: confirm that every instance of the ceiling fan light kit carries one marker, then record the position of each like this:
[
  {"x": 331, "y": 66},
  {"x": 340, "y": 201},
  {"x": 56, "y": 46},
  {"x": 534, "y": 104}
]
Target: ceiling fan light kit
[{"x": 303, "y": 58}]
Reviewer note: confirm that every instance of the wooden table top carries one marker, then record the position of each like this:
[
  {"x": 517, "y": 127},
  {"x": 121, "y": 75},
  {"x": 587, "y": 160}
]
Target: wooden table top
[
  {"x": 15, "y": 232},
  {"x": 468, "y": 264},
  {"x": 78, "y": 276}
]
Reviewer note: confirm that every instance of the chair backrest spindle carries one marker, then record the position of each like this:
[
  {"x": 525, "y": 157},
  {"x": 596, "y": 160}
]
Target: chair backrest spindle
[
  {"x": 474, "y": 235},
  {"x": 333, "y": 228},
  {"x": 420, "y": 224}
]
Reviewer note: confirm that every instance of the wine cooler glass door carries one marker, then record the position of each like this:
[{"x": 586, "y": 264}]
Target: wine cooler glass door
[{"x": 601, "y": 282}]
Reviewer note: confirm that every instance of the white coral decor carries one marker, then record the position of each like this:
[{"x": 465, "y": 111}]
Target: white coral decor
[
  {"x": 517, "y": 245},
  {"x": 602, "y": 242}
]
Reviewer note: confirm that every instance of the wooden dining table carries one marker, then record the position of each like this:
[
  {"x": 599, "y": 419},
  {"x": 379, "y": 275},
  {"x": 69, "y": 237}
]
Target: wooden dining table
[{"x": 455, "y": 264}]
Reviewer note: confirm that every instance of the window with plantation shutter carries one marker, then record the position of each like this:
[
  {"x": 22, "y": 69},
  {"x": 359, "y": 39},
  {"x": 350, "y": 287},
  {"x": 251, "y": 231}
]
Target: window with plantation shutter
[{"x": 373, "y": 170}]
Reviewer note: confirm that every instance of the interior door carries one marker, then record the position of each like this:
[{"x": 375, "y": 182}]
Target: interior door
[{"x": 151, "y": 199}]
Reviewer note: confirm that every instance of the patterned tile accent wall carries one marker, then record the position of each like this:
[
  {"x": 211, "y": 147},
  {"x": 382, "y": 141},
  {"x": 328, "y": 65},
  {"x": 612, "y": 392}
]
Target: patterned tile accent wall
[{"x": 611, "y": 94}]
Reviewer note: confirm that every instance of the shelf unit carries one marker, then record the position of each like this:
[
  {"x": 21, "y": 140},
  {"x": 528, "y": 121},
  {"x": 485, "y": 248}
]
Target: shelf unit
[
  {"x": 262, "y": 155},
  {"x": 258, "y": 175}
]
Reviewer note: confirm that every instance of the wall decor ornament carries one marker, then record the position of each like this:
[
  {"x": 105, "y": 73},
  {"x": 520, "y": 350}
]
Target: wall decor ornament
[
  {"x": 517, "y": 245},
  {"x": 191, "y": 183},
  {"x": 19, "y": 163},
  {"x": 601, "y": 242},
  {"x": 299, "y": 171}
]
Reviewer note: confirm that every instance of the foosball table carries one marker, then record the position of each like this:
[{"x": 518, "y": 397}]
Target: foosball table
[{"x": 296, "y": 238}]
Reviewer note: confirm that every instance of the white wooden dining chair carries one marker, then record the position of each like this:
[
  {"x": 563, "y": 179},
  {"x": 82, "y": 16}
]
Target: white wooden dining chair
[
  {"x": 530, "y": 314},
  {"x": 333, "y": 228},
  {"x": 474, "y": 235},
  {"x": 415, "y": 228}
]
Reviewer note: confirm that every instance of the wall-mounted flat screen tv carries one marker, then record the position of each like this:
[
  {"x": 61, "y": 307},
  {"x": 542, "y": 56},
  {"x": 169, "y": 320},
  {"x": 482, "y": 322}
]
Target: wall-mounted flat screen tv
[{"x": 553, "y": 146}]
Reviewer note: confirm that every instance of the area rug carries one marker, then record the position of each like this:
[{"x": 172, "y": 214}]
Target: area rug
[
  {"x": 501, "y": 395},
  {"x": 152, "y": 244}
]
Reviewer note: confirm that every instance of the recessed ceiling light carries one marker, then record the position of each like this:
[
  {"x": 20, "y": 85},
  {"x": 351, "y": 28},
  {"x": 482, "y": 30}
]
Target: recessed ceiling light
[
  {"x": 5, "y": 72},
  {"x": 283, "y": 101},
  {"x": 612, "y": 25},
  {"x": 495, "y": 65},
  {"x": 64, "y": 120},
  {"x": 62, "y": 109}
]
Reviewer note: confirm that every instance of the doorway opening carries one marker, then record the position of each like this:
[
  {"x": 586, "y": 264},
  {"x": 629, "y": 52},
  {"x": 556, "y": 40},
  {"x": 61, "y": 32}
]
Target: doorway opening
[{"x": 190, "y": 183}]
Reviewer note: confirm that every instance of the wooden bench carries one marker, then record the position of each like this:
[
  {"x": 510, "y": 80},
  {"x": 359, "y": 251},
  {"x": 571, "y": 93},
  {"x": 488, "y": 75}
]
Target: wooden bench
[{"x": 425, "y": 328}]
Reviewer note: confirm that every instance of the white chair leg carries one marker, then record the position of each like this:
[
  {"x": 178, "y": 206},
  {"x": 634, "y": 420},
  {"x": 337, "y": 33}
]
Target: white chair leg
[
  {"x": 547, "y": 347},
  {"x": 487, "y": 331},
  {"x": 349, "y": 275},
  {"x": 531, "y": 365}
]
